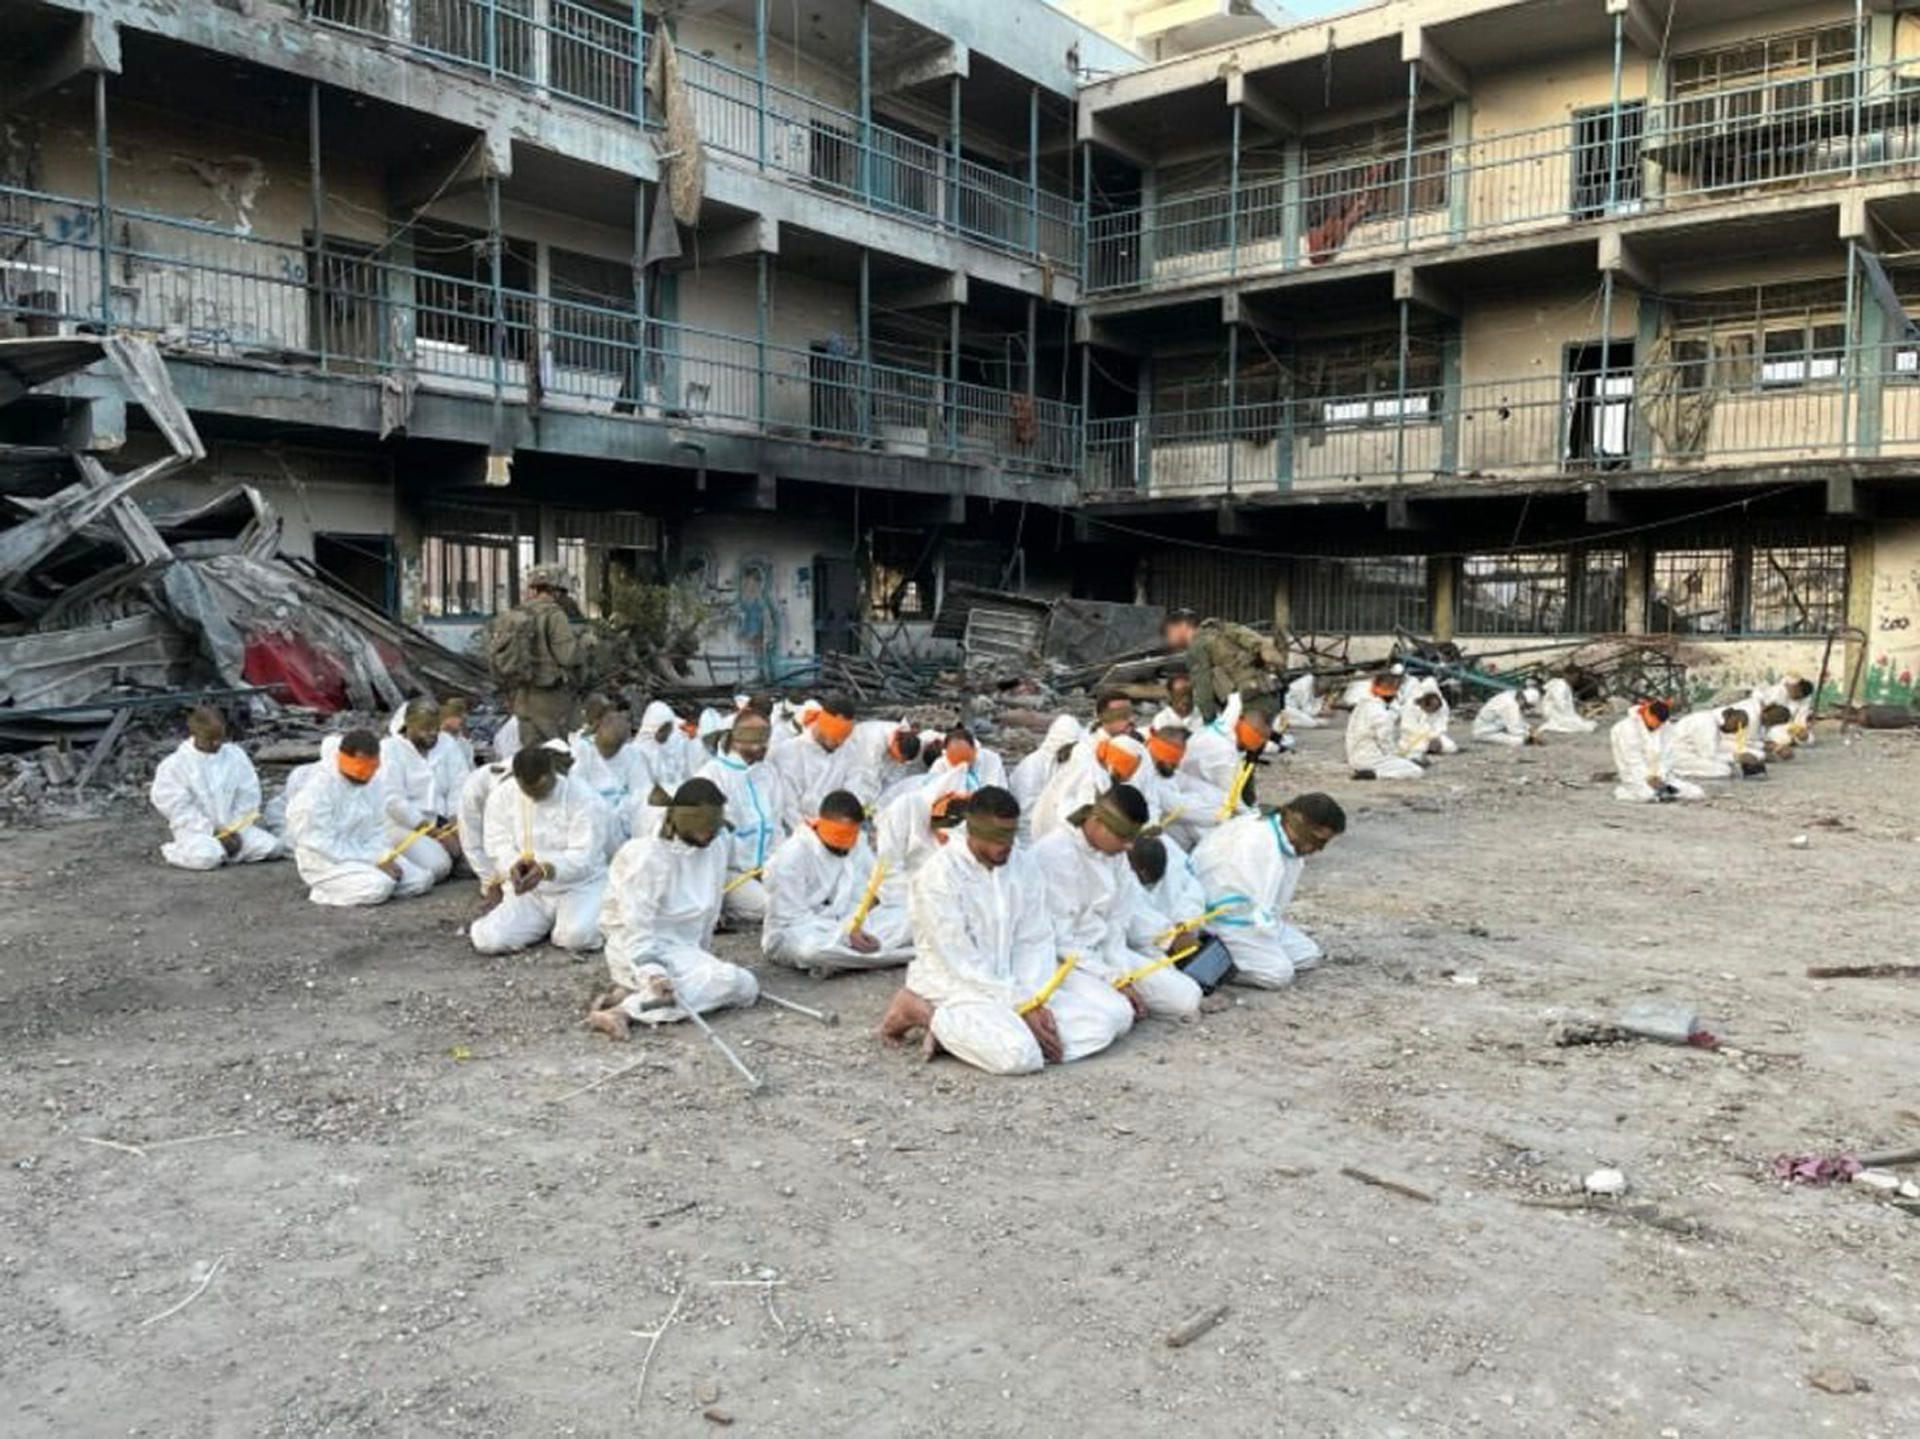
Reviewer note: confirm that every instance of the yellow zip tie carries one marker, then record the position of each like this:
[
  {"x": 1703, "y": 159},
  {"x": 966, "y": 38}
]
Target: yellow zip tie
[
  {"x": 238, "y": 825},
  {"x": 406, "y": 844},
  {"x": 871, "y": 894},
  {"x": 526, "y": 826},
  {"x": 1233, "y": 795},
  {"x": 1416, "y": 742},
  {"x": 739, "y": 879},
  {"x": 1047, "y": 990},
  {"x": 1133, "y": 976},
  {"x": 1195, "y": 922}
]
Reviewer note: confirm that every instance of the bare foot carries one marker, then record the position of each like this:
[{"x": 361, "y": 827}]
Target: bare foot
[
  {"x": 607, "y": 999},
  {"x": 612, "y": 1022},
  {"x": 655, "y": 992},
  {"x": 906, "y": 1013}
]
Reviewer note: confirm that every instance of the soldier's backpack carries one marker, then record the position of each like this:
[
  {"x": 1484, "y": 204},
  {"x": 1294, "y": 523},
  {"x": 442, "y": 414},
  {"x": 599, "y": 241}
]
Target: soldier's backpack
[{"x": 513, "y": 647}]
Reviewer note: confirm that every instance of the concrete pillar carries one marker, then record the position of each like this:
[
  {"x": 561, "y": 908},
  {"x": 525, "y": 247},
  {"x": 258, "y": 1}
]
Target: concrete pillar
[
  {"x": 1283, "y": 598},
  {"x": 542, "y": 57},
  {"x": 1639, "y": 565},
  {"x": 1443, "y": 574}
]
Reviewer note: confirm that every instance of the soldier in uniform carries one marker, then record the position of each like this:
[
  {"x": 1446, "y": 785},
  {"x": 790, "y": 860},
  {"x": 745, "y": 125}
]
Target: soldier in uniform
[
  {"x": 1224, "y": 659},
  {"x": 536, "y": 654}
]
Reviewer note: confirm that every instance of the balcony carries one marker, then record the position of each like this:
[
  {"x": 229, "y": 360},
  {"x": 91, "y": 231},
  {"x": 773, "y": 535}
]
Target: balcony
[
  {"x": 208, "y": 293},
  {"x": 590, "y": 58},
  {"x": 1660, "y": 417},
  {"x": 1715, "y": 148}
]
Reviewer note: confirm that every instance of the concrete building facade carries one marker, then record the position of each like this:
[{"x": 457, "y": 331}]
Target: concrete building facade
[
  {"x": 466, "y": 284},
  {"x": 1523, "y": 319},
  {"x": 1527, "y": 318}
]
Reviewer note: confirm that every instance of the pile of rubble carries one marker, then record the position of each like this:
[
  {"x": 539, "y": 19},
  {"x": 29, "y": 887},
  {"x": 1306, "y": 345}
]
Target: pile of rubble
[{"x": 107, "y": 606}]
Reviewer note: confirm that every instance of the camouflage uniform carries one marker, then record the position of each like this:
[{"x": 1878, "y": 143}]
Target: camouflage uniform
[
  {"x": 545, "y": 705},
  {"x": 1224, "y": 658}
]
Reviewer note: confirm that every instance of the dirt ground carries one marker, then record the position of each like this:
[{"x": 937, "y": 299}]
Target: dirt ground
[{"x": 417, "y": 1232}]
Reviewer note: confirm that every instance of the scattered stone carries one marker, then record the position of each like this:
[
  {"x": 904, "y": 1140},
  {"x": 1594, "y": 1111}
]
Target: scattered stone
[
  {"x": 1838, "y": 1381},
  {"x": 1800, "y": 841},
  {"x": 1608, "y": 1182},
  {"x": 1880, "y": 1181}
]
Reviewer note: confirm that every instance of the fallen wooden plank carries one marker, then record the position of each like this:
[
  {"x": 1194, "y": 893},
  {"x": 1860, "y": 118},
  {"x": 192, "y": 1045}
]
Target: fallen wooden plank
[
  {"x": 1195, "y": 1325},
  {"x": 1864, "y": 971},
  {"x": 1392, "y": 1186}
]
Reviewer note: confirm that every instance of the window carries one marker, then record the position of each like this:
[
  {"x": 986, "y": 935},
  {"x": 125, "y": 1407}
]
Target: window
[
  {"x": 1574, "y": 592},
  {"x": 1692, "y": 592},
  {"x": 1190, "y": 398},
  {"x": 1761, "y": 110},
  {"x": 1792, "y": 584},
  {"x": 1796, "y": 589},
  {"x": 470, "y": 578},
  {"x": 1359, "y": 383},
  {"x": 1791, "y": 66},
  {"x": 1371, "y": 595},
  {"x": 900, "y": 578},
  {"x": 1359, "y": 173},
  {"x": 1606, "y": 165},
  {"x": 1770, "y": 336}
]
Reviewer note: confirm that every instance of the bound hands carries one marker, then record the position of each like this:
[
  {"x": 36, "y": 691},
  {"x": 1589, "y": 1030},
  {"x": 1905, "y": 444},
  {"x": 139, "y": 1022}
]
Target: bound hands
[
  {"x": 526, "y": 874},
  {"x": 860, "y": 942},
  {"x": 1046, "y": 1033}
]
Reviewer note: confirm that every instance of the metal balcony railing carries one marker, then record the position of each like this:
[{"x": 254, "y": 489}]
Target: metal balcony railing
[
  {"x": 597, "y": 59},
  {"x": 209, "y": 292},
  {"x": 1666, "y": 415},
  {"x": 1698, "y": 150}
]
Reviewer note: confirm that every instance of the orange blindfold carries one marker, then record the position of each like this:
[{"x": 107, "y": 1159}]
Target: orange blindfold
[
  {"x": 1165, "y": 751},
  {"x": 1250, "y": 737},
  {"x": 362, "y": 767},
  {"x": 960, "y": 754},
  {"x": 1120, "y": 762},
  {"x": 833, "y": 728},
  {"x": 840, "y": 834}
]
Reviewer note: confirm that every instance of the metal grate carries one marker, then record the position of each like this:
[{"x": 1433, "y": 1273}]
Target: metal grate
[
  {"x": 1367, "y": 595},
  {"x": 1796, "y": 589},
  {"x": 1692, "y": 593}
]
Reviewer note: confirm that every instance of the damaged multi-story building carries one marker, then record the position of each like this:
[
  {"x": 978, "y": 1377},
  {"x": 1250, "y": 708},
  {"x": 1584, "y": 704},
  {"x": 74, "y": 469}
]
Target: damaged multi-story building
[
  {"x": 772, "y": 300},
  {"x": 1501, "y": 320},
  {"x": 1520, "y": 318}
]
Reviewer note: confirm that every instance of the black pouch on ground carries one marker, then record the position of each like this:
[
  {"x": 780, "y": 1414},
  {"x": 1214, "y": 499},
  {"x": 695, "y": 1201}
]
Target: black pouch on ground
[{"x": 1210, "y": 966}]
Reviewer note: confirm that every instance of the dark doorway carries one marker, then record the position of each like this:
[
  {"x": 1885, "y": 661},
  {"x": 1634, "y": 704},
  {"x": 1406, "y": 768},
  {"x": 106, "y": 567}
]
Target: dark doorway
[
  {"x": 363, "y": 564},
  {"x": 836, "y": 606}
]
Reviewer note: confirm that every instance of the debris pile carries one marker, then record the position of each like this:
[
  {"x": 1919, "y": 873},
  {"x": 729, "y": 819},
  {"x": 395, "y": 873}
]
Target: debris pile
[{"x": 105, "y": 604}]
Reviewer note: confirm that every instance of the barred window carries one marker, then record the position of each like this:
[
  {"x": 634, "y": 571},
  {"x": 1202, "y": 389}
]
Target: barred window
[
  {"x": 1359, "y": 173},
  {"x": 1796, "y": 589},
  {"x": 1517, "y": 594},
  {"x": 1692, "y": 592},
  {"x": 1772, "y": 336},
  {"x": 1365, "y": 595},
  {"x": 1599, "y": 604}
]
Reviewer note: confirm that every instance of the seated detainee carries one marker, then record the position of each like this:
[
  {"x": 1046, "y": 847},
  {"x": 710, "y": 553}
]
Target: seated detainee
[
  {"x": 209, "y": 794},
  {"x": 662, "y": 904},
  {"x": 820, "y": 916},
  {"x": 337, "y": 824},
  {"x": 1425, "y": 720},
  {"x": 418, "y": 815},
  {"x": 1712, "y": 744},
  {"x": 1166, "y": 891},
  {"x": 1561, "y": 714},
  {"x": 1643, "y": 757},
  {"x": 1100, "y": 762},
  {"x": 1179, "y": 712},
  {"x": 1220, "y": 758},
  {"x": 1031, "y": 775},
  {"x": 739, "y": 771},
  {"x": 472, "y": 824},
  {"x": 985, "y": 983},
  {"x": 606, "y": 762},
  {"x": 1090, "y": 902},
  {"x": 1248, "y": 870},
  {"x": 1373, "y": 734},
  {"x": 547, "y": 842},
  {"x": 1305, "y": 705},
  {"x": 1503, "y": 718}
]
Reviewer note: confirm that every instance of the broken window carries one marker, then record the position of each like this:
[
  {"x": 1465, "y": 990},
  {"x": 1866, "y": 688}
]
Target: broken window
[
  {"x": 1606, "y": 162},
  {"x": 1771, "y": 336},
  {"x": 1358, "y": 382},
  {"x": 1760, "y": 110},
  {"x": 900, "y": 576},
  {"x": 1692, "y": 592},
  {"x": 1513, "y": 594},
  {"x": 1796, "y": 589},
  {"x": 1358, "y": 174},
  {"x": 1366, "y": 595}
]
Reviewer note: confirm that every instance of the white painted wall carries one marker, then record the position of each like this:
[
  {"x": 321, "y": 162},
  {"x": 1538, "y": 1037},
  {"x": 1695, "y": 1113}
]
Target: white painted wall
[{"x": 720, "y": 550}]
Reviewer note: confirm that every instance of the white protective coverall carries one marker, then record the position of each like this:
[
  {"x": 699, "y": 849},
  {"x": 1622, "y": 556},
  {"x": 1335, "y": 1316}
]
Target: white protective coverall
[
  {"x": 201, "y": 795},
  {"x": 1173, "y": 898},
  {"x": 804, "y": 772},
  {"x": 1562, "y": 715},
  {"x": 1249, "y": 865},
  {"x": 612, "y": 780},
  {"x": 1166, "y": 717},
  {"x": 412, "y": 797},
  {"x": 1091, "y": 898},
  {"x": 663, "y": 901},
  {"x": 1081, "y": 781},
  {"x": 1373, "y": 741},
  {"x": 1798, "y": 730},
  {"x": 657, "y": 763},
  {"x": 1207, "y": 775},
  {"x": 1643, "y": 759},
  {"x": 339, "y": 833},
  {"x": 904, "y": 838},
  {"x": 753, "y": 809},
  {"x": 567, "y": 830},
  {"x": 506, "y": 740},
  {"x": 982, "y": 946},
  {"x": 812, "y": 894},
  {"x": 1702, "y": 750},
  {"x": 1304, "y": 708},
  {"x": 1030, "y": 776},
  {"x": 1503, "y": 720},
  {"x": 868, "y": 766},
  {"x": 472, "y": 821},
  {"x": 1420, "y": 728},
  {"x": 987, "y": 768}
]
